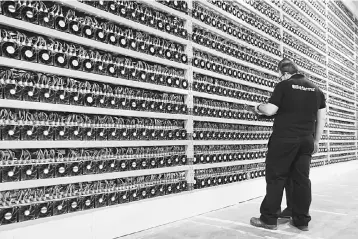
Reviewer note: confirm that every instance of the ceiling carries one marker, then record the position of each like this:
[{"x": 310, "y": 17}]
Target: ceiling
[{"x": 352, "y": 5}]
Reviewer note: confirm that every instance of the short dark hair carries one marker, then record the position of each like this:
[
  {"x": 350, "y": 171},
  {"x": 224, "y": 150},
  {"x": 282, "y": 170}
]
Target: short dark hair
[{"x": 287, "y": 65}]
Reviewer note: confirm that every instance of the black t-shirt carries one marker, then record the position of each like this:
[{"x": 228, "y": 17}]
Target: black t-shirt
[{"x": 298, "y": 100}]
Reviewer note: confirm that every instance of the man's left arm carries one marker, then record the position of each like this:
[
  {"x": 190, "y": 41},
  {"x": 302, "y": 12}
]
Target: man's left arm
[{"x": 274, "y": 103}]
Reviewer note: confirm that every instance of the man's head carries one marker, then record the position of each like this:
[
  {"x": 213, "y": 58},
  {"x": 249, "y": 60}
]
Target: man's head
[{"x": 287, "y": 68}]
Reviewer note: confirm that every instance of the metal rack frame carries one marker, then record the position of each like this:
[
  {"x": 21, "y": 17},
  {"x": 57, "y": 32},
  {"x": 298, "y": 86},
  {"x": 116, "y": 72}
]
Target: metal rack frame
[{"x": 189, "y": 93}]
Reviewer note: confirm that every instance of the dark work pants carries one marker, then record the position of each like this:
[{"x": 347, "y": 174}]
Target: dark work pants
[
  {"x": 289, "y": 191},
  {"x": 288, "y": 158}
]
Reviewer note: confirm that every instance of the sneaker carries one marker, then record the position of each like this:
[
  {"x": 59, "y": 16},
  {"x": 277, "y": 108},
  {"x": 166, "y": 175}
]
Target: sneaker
[
  {"x": 256, "y": 222},
  {"x": 302, "y": 228},
  {"x": 285, "y": 213}
]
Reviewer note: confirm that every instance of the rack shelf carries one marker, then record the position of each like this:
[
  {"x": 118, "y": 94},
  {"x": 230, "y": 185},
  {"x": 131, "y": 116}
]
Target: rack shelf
[
  {"x": 338, "y": 146},
  {"x": 340, "y": 118},
  {"x": 341, "y": 141},
  {"x": 86, "y": 144},
  {"x": 269, "y": 2},
  {"x": 228, "y": 142},
  {"x": 339, "y": 96},
  {"x": 86, "y": 110},
  {"x": 121, "y": 20},
  {"x": 231, "y": 58},
  {"x": 258, "y": 13},
  {"x": 307, "y": 58},
  {"x": 338, "y": 73},
  {"x": 344, "y": 57},
  {"x": 237, "y": 20},
  {"x": 228, "y": 78},
  {"x": 311, "y": 20},
  {"x": 316, "y": 37},
  {"x": 223, "y": 98},
  {"x": 164, "y": 8},
  {"x": 84, "y": 75},
  {"x": 341, "y": 65},
  {"x": 340, "y": 107},
  {"x": 347, "y": 49},
  {"x": 87, "y": 178},
  {"x": 343, "y": 130},
  {"x": 307, "y": 30},
  {"x": 342, "y": 152},
  {"x": 320, "y": 160},
  {"x": 342, "y": 35},
  {"x": 337, "y": 84},
  {"x": 323, "y": 4},
  {"x": 342, "y": 12},
  {"x": 232, "y": 39},
  {"x": 88, "y": 42},
  {"x": 303, "y": 41},
  {"x": 315, "y": 9},
  {"x": 227, "y": 164},
  {"x": 321, "y": 153},
  {"x": 329, "y": 11},
  {"x": 231, "y": 121}
]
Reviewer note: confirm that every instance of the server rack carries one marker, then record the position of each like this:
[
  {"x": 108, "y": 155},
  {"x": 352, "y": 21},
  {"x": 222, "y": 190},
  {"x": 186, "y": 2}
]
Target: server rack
[{"x": 111, "y": 102}]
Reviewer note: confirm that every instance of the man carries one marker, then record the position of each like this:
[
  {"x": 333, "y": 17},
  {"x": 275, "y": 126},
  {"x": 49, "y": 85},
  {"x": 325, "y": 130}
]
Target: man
[{"x": 298, "y": 105}]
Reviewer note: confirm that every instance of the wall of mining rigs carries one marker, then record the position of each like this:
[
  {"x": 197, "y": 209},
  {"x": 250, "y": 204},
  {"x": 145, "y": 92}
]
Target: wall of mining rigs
[{"x": 114, "y": 111}]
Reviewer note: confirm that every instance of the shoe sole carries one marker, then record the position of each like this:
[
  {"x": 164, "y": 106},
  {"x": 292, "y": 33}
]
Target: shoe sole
[
  {"x": 263, "y": 226},
  {"x": 302, "y": 228},
  {"x": 305, "y": 229}
]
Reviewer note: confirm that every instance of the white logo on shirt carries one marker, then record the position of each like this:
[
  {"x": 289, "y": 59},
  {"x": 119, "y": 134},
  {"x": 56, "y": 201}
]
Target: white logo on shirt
[{"x": 299, "y": 87}]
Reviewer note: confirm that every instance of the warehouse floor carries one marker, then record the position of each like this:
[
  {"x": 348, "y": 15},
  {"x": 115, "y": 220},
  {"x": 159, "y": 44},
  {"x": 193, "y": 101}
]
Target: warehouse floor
[{"x": 334, "y": 212}]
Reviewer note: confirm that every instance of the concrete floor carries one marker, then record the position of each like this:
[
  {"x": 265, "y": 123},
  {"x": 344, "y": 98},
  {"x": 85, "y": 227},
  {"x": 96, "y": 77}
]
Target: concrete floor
[{"x": 334, "y": 212}]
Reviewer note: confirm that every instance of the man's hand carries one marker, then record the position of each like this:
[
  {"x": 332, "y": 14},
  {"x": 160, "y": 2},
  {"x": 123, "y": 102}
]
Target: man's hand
[
  {"x": 316, "y": 147},
  {"x": 266, "y": 109},
  {"x": 253, "y": 109},
  {"x": 257, "y": 110}
]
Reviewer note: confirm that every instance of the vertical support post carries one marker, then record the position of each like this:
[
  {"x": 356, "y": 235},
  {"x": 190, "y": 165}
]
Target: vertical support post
[
  {"x": 355, "y": 87},
  {"x": 189, "y": 101},
  {"x": 281, "y": 27},
  {"x": 328, "y": 131},
  {"x": 355, "y": 95}
]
